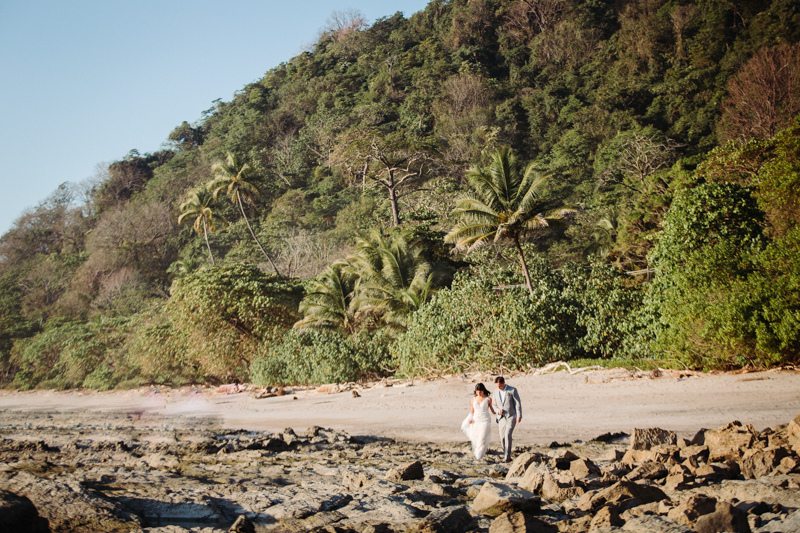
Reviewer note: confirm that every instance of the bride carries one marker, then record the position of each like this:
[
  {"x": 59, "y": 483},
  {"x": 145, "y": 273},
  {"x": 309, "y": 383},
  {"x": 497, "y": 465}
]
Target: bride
[{"x": 478, "y": 425}]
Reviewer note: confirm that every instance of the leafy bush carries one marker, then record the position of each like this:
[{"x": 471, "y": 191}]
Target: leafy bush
[
  {"x": 228, "y": 313},
  {"x": 707, "y": 289},
  {"x": 158, "y": 352},
  {"x": 72, "y": 355},
  {"x": 482, "y": 322},
  {"x": 314, "y": 357},
  {"x": 608, "y": 303}
]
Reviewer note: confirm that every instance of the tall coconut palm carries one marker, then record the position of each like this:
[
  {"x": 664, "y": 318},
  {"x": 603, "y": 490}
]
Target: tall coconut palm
[
  {"x": 199, "y": 205},
  {"x": 509, "y": 201},
  {"x": 329, "y": 301},
  {"x": 232, "y": 177},
  {"x": 394, "y": 277}
]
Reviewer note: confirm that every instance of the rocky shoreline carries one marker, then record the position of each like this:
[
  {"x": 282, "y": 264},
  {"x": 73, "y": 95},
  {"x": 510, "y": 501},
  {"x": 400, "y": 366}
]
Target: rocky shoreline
[{"x": 136, "y": 471}]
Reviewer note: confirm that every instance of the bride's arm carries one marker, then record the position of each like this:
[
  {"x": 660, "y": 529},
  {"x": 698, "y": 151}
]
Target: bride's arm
[
  {"x": 471, "y": 410},
  {"x": 490, "y": 407}
]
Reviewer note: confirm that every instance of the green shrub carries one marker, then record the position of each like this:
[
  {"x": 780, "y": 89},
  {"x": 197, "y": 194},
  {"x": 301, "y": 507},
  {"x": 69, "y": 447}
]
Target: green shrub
[
  {"x": 158, "y": 352},
  {"x": 608, "y": 305},
  {"x": 65, "y": 355},
  {"x": 228, "y": 314},
  {"x": 483, "y": 322},
  {"x": 314, "y": 357}
]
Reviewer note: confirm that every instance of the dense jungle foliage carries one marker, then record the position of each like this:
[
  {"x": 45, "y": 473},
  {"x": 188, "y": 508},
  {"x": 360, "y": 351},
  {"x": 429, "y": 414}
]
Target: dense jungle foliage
[{"x": 485, "y": 184}]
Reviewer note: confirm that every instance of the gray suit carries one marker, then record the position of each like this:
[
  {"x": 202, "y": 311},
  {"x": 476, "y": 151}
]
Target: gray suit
[{"x": 512, "y": 410}]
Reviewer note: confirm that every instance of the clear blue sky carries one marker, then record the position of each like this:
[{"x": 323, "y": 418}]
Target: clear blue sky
[{"x": 84, "y": 81}]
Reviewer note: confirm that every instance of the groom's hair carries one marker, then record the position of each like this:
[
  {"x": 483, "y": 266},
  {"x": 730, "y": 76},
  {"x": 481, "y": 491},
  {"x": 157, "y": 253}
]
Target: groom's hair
[{"x": 499, "y": 379}]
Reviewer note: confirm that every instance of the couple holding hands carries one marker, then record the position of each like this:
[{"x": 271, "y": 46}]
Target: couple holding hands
[{"x": 506, "y": 407}]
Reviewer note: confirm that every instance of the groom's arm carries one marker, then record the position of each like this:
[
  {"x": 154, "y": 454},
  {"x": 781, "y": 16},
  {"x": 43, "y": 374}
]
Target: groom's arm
[{"x": 519, "y": 405}]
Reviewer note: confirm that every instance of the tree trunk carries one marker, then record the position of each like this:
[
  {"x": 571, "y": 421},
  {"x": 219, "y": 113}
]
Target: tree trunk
[
  {"x": 241, "y": 208},
  {"x": 205, "y": 234},
  {"x": 395, "y": 208},
  {"x": 524, "y": 267}
]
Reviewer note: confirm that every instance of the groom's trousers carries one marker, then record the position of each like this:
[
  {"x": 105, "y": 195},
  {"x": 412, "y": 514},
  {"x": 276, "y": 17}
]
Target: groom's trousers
[{"x": 506, "y": 425}]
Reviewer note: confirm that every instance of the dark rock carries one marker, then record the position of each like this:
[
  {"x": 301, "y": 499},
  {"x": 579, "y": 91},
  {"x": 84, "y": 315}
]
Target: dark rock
[
  {"x": 609, "y": 437},
  {"x": 18, "y": 515}
]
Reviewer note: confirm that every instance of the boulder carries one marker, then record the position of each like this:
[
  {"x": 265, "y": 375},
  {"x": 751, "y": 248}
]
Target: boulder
[
  {"x": 18, "y": 515},
  {"x": 563, "y": 462},
  {"x": 725, "y": 517},
  {"x": 619, "y": 492},
  {"x": 729, "y": 442},
  {"x": 689, "y": 510},
  {"x": 447, "y": 520},
  {"x": 520, "y": 465},
  {"x": 353, "y": 481},
  {"x": 495, "y": 499},
  {"x": 583, "y": 468},
  {"x": 613, "y": 455},
  {"x": 793, "y": 430},
  {"x": 678, "y": 481},
  {"x": 533, "y": 479},
  {"x": 763, "y": 462},
  {"x": 558, "y": 488},
  {"x": 648, "y": 470},
  {"x": 632, "y": 457},
  {"x": 607, "y": 516},
  {"x": 718, "y": 471},
  {"x": 406, "y": 472},
  {"x": 520, "y": 523},
  {"x": 788, "y": 465},
  {"x": 644, "y": 439},
  {"x": 695, "y": 453}
]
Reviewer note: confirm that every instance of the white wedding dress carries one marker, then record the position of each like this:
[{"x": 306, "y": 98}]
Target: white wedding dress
[{"x": 479, "y": 432}]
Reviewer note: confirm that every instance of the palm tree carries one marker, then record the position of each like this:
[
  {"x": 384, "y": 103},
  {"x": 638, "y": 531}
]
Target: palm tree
[
  {"x": 329, "y": 301},
  {"x": 604, "y": 234},
  {"x": 199, "y": 205},
  {"x": 231, "y": 176},
  {"x": 509, "y": 202},
  {"x": 394, "y": 277}
]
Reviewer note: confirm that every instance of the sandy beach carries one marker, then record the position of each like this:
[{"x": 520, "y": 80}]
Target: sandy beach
[{"x": 559, "y": 406}]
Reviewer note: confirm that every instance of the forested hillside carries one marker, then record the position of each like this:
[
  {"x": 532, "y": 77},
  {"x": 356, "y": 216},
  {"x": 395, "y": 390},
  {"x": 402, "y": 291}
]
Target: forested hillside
[{"x": 486, "y": 184}]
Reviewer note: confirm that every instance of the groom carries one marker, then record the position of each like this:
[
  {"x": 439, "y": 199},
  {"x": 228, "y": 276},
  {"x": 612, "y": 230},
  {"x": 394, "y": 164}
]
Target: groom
[{"x": 508, "y": 408}]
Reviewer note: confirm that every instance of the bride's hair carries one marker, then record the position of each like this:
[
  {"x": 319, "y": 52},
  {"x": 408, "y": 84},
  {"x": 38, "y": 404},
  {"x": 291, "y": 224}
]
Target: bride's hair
[{"x": 480, "y": 387}]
